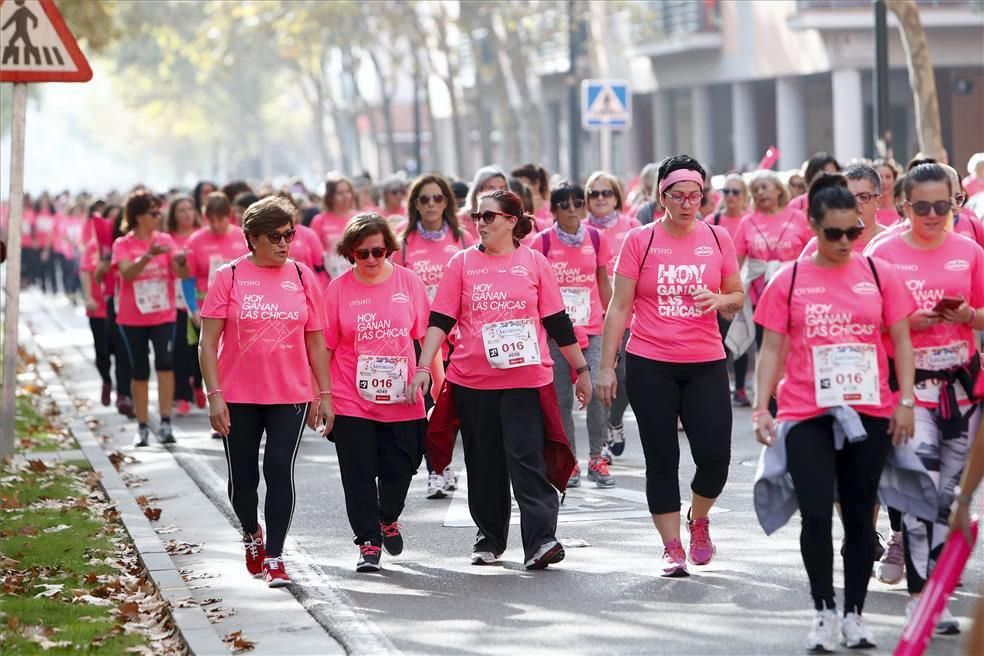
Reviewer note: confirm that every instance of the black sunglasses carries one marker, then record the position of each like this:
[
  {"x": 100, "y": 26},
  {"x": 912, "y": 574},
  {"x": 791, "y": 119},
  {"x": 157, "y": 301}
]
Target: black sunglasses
[
  {"x": 566, "y": 204},
  {"x": 377, "y": 252},
  {"x": 923, "y": 207},
  {"x": 601, "y": 193},
  {"x": 287, "y": 235},
  {"x": 731, "y": 192},
  {"x": 835, "y": 234},
  {"x": 487, "y": 217},
  {"x": 424, "y": 199}
]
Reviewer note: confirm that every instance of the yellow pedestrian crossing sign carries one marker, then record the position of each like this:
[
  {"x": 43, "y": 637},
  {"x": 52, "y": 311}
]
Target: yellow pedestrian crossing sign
[{"x": 606, "y": 104}]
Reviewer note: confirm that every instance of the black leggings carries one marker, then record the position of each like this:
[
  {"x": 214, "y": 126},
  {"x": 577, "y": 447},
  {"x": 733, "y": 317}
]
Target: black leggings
[
  {"x": 185, "y": 360},
  {"x": 100, "y": 340},
  {"x": 283, "y": 425},
  {"x": 376, "y": 461},
  {"x": 815, "y": 466},
  {"x": 118, "y": 348},
  {"x": 137, "y": 341},
  {"x": 697, "y": 393}
]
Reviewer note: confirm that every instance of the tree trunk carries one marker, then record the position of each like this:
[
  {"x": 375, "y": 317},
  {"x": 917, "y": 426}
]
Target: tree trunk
[
  {"x": 922, "y": 79},
  {"x": 510, "y": 116},
  {"x": 387, "y": 102},
  {"x": 532, "y": 107},
  {"x": 319, "y": 128}
]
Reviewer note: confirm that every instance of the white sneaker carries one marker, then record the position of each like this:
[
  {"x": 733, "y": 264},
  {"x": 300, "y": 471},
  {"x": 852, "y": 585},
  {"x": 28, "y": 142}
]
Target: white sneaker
[
  {"x": 484, "y": 558},
  {"x": 891, "y": 567},
  {"x": 435, "y": 486},
  {"x": 854, "y": 634},
  {"x": 824, "y": 635},
  {"x": 450, "y": 479}
]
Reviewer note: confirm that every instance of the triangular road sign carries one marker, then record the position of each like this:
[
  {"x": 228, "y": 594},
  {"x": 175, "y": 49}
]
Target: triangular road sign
[{"x": 37, "y": 46}]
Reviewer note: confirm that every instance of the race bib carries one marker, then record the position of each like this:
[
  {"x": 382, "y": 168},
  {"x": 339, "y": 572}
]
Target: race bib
[
  {"x": 382, "y": 379},
  {"x": 937, "y": 358},
  {"x": 215, "y": 262},
  {"x": 179, "y": 299},
  {"x": 335, "y": 264},
  {"x": 151, "y": 295},
  {"x": 431, "y": 292},
  {"x": 577, "y": 300},
  {"x": 846, "y": 374},
  {"x": 510, "y": 344}
]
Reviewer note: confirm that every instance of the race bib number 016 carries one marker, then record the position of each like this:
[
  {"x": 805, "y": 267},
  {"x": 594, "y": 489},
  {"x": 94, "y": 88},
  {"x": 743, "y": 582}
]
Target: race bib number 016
[
  {"x": 510, "y": 344},
  {"x": 846, "y": 374},
  {"x": 382, "y": 379},
  {"x": 577, "y": 300},
  {"x": 151, "y": 295}
]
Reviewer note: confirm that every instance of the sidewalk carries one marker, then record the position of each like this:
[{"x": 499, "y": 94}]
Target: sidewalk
[{"x": 194, "y": 552}]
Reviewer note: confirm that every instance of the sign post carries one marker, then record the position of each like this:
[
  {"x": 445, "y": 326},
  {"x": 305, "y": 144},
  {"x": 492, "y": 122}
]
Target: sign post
[
  {"x": 606, "y": 105},
  {"x": 35, "y": 46}
]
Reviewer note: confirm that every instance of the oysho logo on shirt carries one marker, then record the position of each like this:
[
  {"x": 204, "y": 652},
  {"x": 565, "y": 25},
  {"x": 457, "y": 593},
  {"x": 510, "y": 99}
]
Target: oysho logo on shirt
[
  {"x": 249, "y": 283},
  {"x": 360, "y": 301},
  {"x": 660, "y": 251},
  {"x": 400, "y": 297},
  {"x": 703, "y": 251},
  {"x": 865, "y": 288},
  {"x": 519, "y": 270},
  {"x": 803, "y": 291},
  {"x": 907, "y": 267},
  {"x": 957, "y": 265},
  {"x": 289, "y": 285},
  {"x": 476, "y": 272}
]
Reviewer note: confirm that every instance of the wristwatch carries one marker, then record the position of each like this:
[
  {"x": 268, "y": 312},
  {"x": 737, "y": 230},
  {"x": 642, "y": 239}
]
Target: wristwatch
[
  {"x": 960, "y": 497},
  {"x": 907, "y": 403},
  {"x": 581, "y": 370}
]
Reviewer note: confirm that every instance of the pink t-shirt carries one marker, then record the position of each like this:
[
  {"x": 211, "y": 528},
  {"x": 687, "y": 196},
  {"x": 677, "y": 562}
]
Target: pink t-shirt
[
  {"x": 148, "y": 299},
  {"x": 543, "y": 218},
  {"x": 576, "y": 269},
  {"x": 207, "y": 252},
  {"x": 886, "y": 216},
  {"x": 68, "y": 235},
  {"x": 44, "y": 228},
  {"x": 973, "y": 185},
  {"x": 729, "y": 223},
  {"x": 469, "y": 226},
  {"x": 307, "y": 249},
  {"x": 428, "y": 259},
  {"x": 833, "y": 306},
  {"x": 371, "y": 329},
  {"x": 799, "y": 203},
  {"x": 262, "y": 353},
  {"x": 330, "y": 227},
  {"x": 780, "y": 236},
  {"x": 967, "y": 224},
  {"x": 953, "y": 269},
  {"x": 28, "y": 239},
  {"x": 616, "y": 235},
  {"x": 87, "y": 267},
  {"x": 667, "y": 326},
  {"x": 499, "y": 302}
]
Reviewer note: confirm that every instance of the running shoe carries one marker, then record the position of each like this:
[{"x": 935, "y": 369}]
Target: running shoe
[
  {"x": 606, "y": 453},
  {"x": 854, "y": 634},
  {"x": 891, "y": 567},
  {"x": 124, "y": 405},
  {"x": 368, "y": 558},
  {"x": 549, "y": 553},
  {"x": 165, "y": 434},
  {"x": 435, "y": 486},
  {"x": 255, "y": 551},
  {"x": 274, "y": 573},
  {"x": 575, "y": 479},
  {"x": 107, "y": 394},
  {"x": 616, "y": 439},
  {"x": 200, "y": 399},
  {"x": 701, "y": 547},
  {"x": 598, "y": 472},
  {"x": 823, "y": 637},
  {"x": 182, "y": 408},
  {"x": 142, "y": 438},
  {"x": 483, "y": 558},
  {"x": 392, "y": 539},
  {"x": 450, "y": 479},
  {"x": 946, "y": 625},
  {"x": 674, "y": 563},
  {"x": 740, "y": 399}
]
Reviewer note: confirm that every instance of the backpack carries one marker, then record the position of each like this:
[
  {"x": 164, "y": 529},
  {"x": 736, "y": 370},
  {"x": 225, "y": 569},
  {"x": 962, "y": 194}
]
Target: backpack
[
  {"x": 594, "y": 234},
  {"x": 650, "y": 244}
]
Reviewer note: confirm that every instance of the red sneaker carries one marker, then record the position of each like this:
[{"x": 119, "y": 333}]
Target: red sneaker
[
  {"x": 182, "y": 408},
  {"x": 255, "y": 552},
  {"x": 200, "y": 399},
  {"x": 701, "y": 547},
  {"x": 274, "y": 573},
  {"x": 106, "y": 397}
]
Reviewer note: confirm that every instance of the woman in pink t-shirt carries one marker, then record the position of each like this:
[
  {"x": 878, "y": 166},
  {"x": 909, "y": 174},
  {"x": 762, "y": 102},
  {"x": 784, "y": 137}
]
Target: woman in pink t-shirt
[
  {"x": 375, "y": 313},
  {"x": 579, "y": 258},
  {"x": 505, "y": 301},
  {"x": 536, "y": 179},
  {"x": 603, "y": 194},
  {"x": 671, "y": 279},
  {"x": 864, "y": 182},
  {"x": 148, "y": 265},
  {"x": 95, "y": 310},
  {"x": 818, "y": 164},
  {"x": 182, "y": 222},
  {"x": 431, "y": 238},
  {"x": 261, "y": 342},
  {"x": 824, "y": 319},
  {"x": 338, "y": 207},
  {"x": 888, "y": 171},
  {"x": 945, "y": 274}
]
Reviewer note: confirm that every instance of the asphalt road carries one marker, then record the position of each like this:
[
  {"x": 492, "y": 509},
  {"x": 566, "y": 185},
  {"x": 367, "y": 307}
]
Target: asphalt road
[{"x": 606, "y": 597}]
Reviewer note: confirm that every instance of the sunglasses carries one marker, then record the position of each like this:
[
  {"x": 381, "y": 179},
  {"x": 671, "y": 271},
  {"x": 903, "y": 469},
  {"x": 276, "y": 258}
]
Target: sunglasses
[
  {"x": 487, "y": 217},
  {"x": 377, "y": 252},
  {"x": 396, "y": 191},
  {"x": 436, "y": 199},
  {"x": 835, "y": 234},
  {"x": 566, "y": 204},
  {"x": 959, "y": 199},
  {"x": 287, "y": 235},
  {"x": 864, "y": 197},
  {"x": 923, "y": 207},
  {"x": 679, "y": 199},
  {"x": 601, "y": 193},
  {"x": 731, "y": 192}
]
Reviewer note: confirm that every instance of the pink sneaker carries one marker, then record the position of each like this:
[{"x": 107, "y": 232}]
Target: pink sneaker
[
  {"x": 182, "y": 408},
  {"x": 701, "y": 547},
  {"x": 674, "y": 563}
]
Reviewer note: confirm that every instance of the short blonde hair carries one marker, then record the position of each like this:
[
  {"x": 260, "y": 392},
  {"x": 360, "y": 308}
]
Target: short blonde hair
[
  {"x": 773, "y": 177},
  {"x": 610, "y": 179}
]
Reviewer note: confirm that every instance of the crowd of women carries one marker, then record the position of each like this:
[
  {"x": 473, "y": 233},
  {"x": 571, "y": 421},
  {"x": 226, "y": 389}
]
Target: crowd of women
[{"x": 392, "y": 323}]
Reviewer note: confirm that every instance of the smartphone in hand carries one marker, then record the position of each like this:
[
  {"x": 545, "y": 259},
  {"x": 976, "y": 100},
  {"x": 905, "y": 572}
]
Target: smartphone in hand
[{"x": 947, "y": 303}]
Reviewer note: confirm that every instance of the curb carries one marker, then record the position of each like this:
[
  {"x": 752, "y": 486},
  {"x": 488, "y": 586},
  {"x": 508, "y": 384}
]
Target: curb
[{"x": 192, "y": 623}]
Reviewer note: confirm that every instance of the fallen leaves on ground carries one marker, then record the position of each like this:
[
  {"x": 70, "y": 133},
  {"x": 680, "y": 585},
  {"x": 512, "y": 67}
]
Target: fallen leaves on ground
[
  {"x": 237, "y": 642},
  {"x": 181, "y": 548}
]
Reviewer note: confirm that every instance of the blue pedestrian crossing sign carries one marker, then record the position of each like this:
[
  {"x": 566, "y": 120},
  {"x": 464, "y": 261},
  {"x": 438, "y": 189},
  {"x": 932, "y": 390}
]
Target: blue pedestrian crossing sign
[{"x": 606, "y": 104}]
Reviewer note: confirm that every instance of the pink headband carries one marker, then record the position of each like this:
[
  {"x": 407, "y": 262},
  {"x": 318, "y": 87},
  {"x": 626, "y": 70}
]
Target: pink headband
[{"x": 680, "y": 175}]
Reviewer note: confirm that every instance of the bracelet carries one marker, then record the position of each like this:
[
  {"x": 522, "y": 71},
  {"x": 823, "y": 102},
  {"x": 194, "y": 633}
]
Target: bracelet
[
  {"x": 213, "y": 393},
  {"x": 580, "y": 370},
  {"x": 759, "y": 413},
  {"x": 324, "y": 393},
  {"x": 960, "y": 497},
  {"x": 425, "y": 370}
]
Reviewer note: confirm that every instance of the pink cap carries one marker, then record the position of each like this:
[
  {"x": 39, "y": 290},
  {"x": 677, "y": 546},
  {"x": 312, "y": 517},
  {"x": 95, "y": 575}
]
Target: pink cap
[{"x": 680, "y": 175}]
